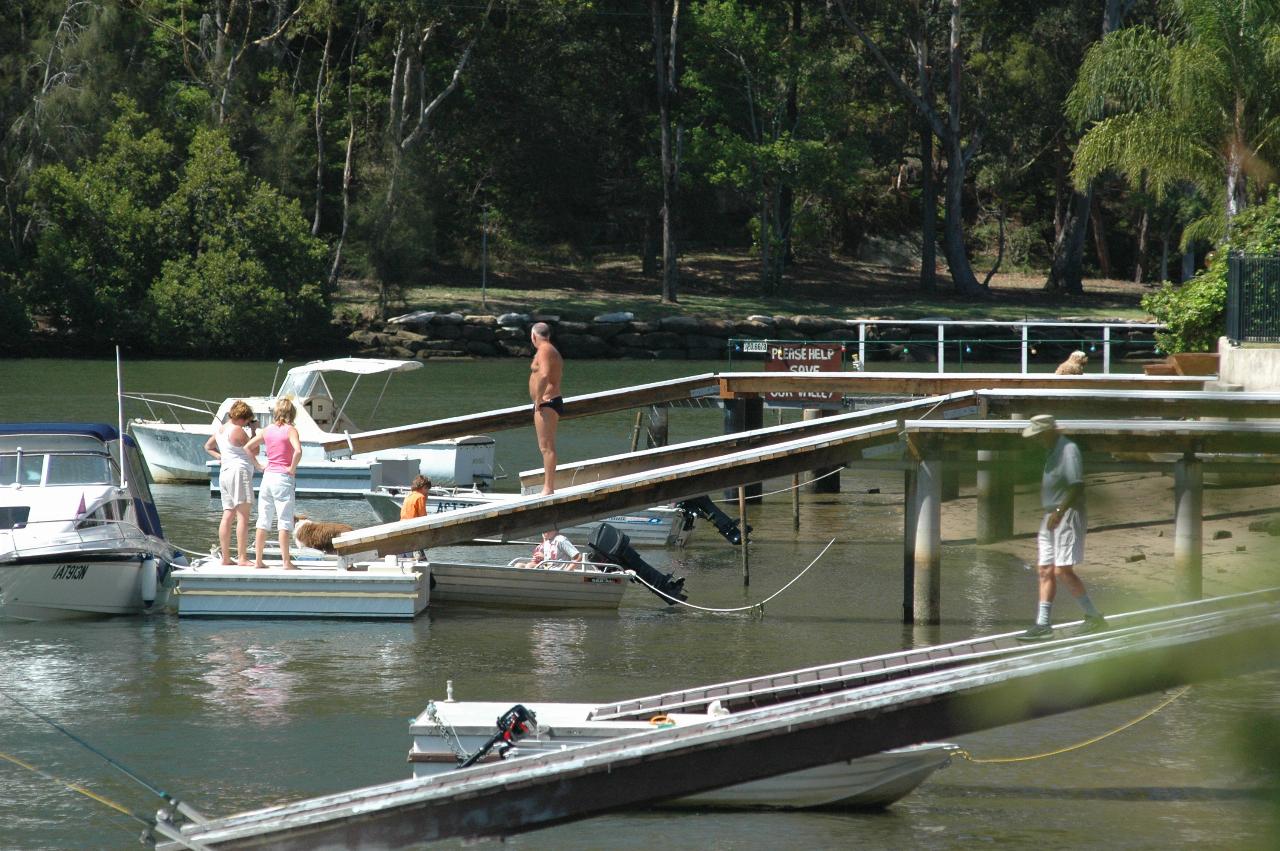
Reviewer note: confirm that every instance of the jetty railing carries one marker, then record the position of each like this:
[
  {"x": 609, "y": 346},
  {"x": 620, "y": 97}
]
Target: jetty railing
[
  {"x": 1253, "y": 299},
  {"x": 948, "y": 333}
]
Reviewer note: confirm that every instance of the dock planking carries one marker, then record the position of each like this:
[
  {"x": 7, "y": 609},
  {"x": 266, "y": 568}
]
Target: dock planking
[
  {"x": 505, "y": 798},
  {"x": 1183, "y": 436},
  {"x": 601, "y": 499},
  {"x": 738, "y": 384}
]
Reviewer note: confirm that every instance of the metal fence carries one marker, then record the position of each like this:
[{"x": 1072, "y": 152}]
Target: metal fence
[{"x": 1253, "y": 299}]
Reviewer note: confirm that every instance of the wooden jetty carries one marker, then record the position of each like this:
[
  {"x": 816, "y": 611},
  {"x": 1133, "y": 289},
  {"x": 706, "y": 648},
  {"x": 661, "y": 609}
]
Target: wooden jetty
[{"x": 505, "y": 798}]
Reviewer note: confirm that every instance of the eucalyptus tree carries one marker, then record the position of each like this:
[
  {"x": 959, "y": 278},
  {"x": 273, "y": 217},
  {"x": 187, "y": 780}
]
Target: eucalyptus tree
[
  {"x": 1197, "y": 103},
  {"x": 665, "y": 57},
  {"x": 960, "y": 140}
]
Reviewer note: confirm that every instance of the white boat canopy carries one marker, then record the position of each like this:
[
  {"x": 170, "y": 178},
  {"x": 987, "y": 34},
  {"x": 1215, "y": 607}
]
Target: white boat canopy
[{"x": 357, "y": 366}]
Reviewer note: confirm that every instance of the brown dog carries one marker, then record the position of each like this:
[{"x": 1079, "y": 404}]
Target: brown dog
[
  {"x": 1073, "y": 365},
  {"x": 317, "y": 534}
]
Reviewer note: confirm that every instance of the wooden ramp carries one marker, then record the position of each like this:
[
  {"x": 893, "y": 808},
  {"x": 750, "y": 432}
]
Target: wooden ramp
[
  {"x": 1182, "y": 436},
  {"x": 737, "y": 384},
  {"x": 504, "y": 798},
  {"x": 608, "y": 497},
  {"x": 518, "y": 416}
]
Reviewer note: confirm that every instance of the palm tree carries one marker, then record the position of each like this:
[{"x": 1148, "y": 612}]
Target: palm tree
[{"x": 1198, "y": 104}]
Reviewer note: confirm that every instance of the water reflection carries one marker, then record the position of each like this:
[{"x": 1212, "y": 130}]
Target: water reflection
[
  {"x": 557, "y": 646},
  {"x": 249, "y": 681}
]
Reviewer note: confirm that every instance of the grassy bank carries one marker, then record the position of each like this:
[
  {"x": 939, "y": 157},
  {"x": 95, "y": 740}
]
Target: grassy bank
[{"x": 727, "y": 286}]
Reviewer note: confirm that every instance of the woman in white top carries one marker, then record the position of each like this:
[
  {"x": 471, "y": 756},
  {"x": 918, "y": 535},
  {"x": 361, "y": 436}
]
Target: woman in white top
[{"x": 235, "y": 479}]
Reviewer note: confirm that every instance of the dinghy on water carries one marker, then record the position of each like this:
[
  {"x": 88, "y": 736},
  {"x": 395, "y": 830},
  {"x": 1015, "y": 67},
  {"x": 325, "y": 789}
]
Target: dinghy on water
[
  {"x": 175, "y": 452},
  {"x": 79, "y": 532},
  {"x": 449, "y": 733}
]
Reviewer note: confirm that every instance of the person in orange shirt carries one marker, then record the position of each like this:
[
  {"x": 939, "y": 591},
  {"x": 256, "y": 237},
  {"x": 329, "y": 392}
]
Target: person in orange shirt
[{"x": 415, "y": 502}]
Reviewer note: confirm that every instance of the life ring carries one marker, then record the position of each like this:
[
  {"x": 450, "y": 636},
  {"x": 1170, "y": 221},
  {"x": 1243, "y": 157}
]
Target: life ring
[{"x": 662, "y": 721}]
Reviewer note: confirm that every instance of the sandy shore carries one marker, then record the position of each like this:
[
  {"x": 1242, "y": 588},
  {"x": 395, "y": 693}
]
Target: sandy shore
[{"x": 1130, "y": 539}]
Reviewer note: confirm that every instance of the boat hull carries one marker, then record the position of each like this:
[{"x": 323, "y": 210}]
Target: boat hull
[
  {"x": 661, "y": 526},
  {"x": 76, "y": 585},
  {"x": 175, "y": 454},
  {"x": 376, "y": 592},
  {"x": 872, "y": 781},
  {"x": 520, "y": 587}
]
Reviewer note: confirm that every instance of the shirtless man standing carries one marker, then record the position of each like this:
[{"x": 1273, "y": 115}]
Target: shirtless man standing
[{"x": 544, "y": 389}]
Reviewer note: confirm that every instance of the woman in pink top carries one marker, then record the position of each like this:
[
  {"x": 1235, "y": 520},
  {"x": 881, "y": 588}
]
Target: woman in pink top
[{"x": 275, "y": 500}]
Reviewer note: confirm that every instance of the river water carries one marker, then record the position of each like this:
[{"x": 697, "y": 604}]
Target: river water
[{"x": 231, "y": 715}]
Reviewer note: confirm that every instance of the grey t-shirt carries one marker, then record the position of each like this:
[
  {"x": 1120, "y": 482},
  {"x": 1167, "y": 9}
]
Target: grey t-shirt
[{"x": 1063, "y": 468}]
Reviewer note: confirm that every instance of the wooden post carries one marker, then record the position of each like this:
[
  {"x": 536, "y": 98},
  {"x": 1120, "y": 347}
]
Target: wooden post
[
  {"x": 927, "y": 559},
  {"x": 1188, "y": 527},
  {"x": 744, "y": 415},
  {"x": 742, "y": 524},
  {"x": 820, "y": 482},
  {"x": 950, "y": 482},
  {"x": 995, "y": 499},
  {"x": 659, "y": 426},
  {"x": 795, "y": 502},
  {"x": 635, "y": 431},
  {"x": 908, "y": 544}
]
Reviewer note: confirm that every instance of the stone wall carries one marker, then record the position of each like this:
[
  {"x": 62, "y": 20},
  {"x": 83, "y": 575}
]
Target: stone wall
[{"x": 429, "y": 334}]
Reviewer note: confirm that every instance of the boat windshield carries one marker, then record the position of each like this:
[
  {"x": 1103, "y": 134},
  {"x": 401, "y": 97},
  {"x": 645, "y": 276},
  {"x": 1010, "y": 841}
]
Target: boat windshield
[
  {"x": 62, "y": 469},
  {"x": 301, "y": 385}
]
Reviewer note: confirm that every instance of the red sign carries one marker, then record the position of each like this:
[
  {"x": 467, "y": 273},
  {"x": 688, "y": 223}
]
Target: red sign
[{"x": 804, "y": 357}]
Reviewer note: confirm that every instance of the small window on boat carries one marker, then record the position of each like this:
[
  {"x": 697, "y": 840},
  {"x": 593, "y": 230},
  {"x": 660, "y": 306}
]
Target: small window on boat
[
  {"x": 14, "y": 516},
  {"x": 32, "y": 467},
  {"x": 78, "y": 470}
]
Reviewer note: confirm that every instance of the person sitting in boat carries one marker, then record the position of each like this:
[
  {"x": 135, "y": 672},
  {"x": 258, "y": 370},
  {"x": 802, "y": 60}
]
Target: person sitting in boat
[
  {"x": 554, "y": 552},
  {"x": 415, "y": 502}
]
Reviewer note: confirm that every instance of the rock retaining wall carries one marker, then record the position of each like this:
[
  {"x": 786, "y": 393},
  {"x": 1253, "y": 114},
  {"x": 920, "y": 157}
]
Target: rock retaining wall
[{"x": 430, "y": 334}]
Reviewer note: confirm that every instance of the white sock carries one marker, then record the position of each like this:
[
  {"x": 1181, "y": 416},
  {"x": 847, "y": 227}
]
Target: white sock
[{"x": 1042, "y": 614}]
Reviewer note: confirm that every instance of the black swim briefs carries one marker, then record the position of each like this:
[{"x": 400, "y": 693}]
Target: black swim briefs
[{"x": 556, "y": 404}]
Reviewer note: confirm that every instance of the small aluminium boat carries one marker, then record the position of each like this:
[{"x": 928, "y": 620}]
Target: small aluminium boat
[
  {"x": 79, "y": 532},
  {"x": 174, "y": 450},
  {"x": 449, "y": 732}
]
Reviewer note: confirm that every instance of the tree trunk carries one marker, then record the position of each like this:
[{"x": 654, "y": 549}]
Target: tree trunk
[
  {"x": 649, "y": 247},
  {"x": 665, "y": 68},
  {"x": 1067, "y": 267},
  {"x": 1142, "y": 244},
  {"x": 953, "y": 239},
  {"x": 1100, "y": 241},
  {"x": 348, "y": 172},
  {"x": 321, "y": 88},
  {"x": 787, "y": 194},
  {"x": 1164, "y": 256},
  {"x": 928, "y": 187}
]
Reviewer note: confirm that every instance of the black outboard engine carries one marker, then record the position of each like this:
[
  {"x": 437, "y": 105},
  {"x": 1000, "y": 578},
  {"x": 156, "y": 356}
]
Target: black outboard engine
[
  {"x": 513, "y": 724},
  {"x": 608, "y": 544},
  {"x": 702, "y": 506}
]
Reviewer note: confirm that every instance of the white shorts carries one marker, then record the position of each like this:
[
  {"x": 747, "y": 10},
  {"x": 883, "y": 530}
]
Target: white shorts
[
  {"x": 276, "y": 499},
  {"x": 236, "y": 484},
  {"x": 1064, "y": 546}
]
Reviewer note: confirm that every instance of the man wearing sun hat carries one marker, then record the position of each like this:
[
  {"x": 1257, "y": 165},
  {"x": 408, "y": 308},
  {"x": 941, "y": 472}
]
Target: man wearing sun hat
[{"x": 1061, "y": 538}]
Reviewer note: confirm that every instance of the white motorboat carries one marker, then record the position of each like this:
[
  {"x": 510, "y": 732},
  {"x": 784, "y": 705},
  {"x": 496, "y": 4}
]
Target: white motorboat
[
  {"x": 320, "y": 587},
  {"x": 174, "y": 450},
  {"x": 449, "y": 731},
  {"x": 79, "y": 532},
  {"x": 567, "y": 586},
  {"x": 661, "y": 526}
]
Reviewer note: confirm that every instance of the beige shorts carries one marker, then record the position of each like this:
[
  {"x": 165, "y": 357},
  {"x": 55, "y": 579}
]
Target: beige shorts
[
  {"x": 1064, "y": 545},
  {"x": 236, "y": 484}
]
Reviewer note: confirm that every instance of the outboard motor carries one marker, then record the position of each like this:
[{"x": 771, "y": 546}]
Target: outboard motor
[
  {"x": 513, "y": 724},
  {"x": 702, "y": 506},
  {"x": 608, "y": 544}
]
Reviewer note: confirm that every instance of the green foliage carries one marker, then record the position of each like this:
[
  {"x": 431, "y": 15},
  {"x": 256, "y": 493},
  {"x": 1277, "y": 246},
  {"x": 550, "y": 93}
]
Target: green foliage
[
  {"x": 244, "y": 273},
  {"x": 1195, "y": 310}
]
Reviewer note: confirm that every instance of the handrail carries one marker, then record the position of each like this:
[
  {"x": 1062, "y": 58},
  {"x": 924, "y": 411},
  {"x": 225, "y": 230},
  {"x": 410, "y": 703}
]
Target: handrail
[
  {"x": 166, "y": 399},
  {"x": 64, "y": 538}
]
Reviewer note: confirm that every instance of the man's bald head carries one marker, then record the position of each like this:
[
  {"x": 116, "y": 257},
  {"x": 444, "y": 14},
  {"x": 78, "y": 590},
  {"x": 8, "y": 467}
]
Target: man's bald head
[{"x": 541, "y": 330}]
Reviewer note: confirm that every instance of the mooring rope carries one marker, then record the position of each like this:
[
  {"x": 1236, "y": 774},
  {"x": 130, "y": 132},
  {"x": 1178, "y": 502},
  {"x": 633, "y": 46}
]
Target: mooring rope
[
  {"x": 754, "y": 606},
  {"x": 151, "y": 787},
  {"x": 963, "y": 754},
  {"x": 834, "y": 472}
]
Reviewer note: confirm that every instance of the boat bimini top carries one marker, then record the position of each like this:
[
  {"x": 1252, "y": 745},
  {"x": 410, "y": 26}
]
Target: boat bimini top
[{"x": 307, "y": 381}]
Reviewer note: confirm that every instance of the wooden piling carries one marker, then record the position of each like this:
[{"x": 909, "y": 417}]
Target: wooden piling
[
  {"x": 995, "y": 498},
  {"x": 744, "y": 414},
  {"x": 927, "y": 561},
  {"x": 795, "y": 502},
  {"x": 659, "y": 426},
  {"x": 819, "y": 481},
  {"x": 742, "y": 527},
  {"x": 1188, "y": 527},
  {"x": 908, "y": 544}
]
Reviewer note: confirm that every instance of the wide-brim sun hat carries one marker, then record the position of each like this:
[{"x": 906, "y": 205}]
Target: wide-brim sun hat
[{"x": 1039, "y": 424}]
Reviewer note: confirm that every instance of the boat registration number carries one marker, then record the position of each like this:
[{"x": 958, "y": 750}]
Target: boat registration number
[
  {"x": 602, "y": 580},
  {"x": 71, "y": 571}
]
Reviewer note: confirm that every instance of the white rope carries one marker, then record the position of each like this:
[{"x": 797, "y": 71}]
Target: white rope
[
  {"x": 834, "y": 472},
  {"x": 759, "y": 605},
  {"x": 196, "y": 553}
]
